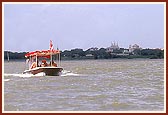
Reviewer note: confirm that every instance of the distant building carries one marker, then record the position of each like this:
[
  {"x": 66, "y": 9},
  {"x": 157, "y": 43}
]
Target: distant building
[
  {"x": 133, "y": 47},
  {"x": 89, "y": 55},
  {"x": 114, "y": 46},
  {"x": 126, "y": 51}
]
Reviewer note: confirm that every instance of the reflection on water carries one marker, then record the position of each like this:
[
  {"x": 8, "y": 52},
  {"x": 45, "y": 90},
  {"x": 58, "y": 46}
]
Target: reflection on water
[{"x": 88, "y": 85}]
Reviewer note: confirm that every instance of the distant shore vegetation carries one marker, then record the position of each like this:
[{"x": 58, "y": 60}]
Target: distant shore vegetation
[{"x": 95, "y": 53}]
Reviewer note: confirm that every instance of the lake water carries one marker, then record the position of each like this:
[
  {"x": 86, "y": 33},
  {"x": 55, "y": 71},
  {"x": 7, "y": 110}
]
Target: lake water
[{"x": 87, "y": 85}]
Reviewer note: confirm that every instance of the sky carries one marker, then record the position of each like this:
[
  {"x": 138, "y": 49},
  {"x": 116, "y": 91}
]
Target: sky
[{"x": 30, "y": 27}]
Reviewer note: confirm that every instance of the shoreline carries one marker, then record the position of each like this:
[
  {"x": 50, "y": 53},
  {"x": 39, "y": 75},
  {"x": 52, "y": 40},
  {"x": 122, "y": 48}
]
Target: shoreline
[{"x": 24, "y": 60}]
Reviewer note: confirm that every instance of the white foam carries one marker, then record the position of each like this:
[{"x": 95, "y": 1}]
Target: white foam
[
  {"x": 11, "y": 74},
  {"x": 68, "y": 73},
  {"x": 72, "y": 74},
  {"x": 64, "y": 73},
  {"x": 26, "y": 75},
  {"x": 31, "y": 75},
  {"x": 40, "y": 74},
  {"x": 118, "y": 72},
  {"x": 6, "y": 79}
]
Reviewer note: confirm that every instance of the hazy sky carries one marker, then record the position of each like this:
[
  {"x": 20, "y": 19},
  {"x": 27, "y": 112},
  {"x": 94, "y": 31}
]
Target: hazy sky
[{"x": 29, "y": 27}]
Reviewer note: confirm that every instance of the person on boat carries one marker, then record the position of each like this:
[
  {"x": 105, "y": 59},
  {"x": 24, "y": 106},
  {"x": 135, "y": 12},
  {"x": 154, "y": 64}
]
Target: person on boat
[
  {"x": 53, "y": 64},
  {"x": 44, "y": 63},
  {"x": 34, "y": 65}
]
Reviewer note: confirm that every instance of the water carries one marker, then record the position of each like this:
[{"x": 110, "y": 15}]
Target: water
[{"x": 87, "y": 85}]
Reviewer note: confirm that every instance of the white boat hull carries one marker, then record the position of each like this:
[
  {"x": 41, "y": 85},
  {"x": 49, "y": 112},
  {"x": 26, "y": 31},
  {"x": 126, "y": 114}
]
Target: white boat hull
[{"x": 49, "y": 71}]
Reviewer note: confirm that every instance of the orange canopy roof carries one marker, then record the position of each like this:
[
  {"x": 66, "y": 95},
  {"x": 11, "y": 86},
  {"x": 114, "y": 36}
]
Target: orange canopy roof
[{"x": 43, "y": 53}]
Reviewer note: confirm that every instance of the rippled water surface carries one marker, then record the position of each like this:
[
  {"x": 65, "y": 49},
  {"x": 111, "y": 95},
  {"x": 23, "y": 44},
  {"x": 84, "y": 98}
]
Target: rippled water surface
[{"x": 87, "y": 85}]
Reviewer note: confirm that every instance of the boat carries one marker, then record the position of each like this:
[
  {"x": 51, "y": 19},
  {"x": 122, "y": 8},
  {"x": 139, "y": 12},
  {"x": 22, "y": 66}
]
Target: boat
[{"x": 52, "y": 69}]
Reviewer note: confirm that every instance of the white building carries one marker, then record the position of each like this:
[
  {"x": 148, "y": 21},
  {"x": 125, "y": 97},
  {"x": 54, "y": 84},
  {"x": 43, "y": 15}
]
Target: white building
[
  {"x": 133, "y": 47},
  {"x": 114, "y": 46},
  {"x": 89, "y": 55},
  {"x": 126, "y": 51}
]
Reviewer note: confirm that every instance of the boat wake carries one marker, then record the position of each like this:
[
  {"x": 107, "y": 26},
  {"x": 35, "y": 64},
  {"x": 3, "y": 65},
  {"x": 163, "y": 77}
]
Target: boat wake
[
  {"x": 25, "y": 75},
  {"x": 31, "y": 75},
  {"x": 69, "y": 73},
  {"x": 63, "y": 74},
  {"x": 6, "y": 79},
  {"x": 6, "y": 74}
]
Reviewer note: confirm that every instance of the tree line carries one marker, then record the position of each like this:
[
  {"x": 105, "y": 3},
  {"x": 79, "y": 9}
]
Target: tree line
[
  {"x": 14, "y": 55},
  {"x": 98, "y": 54},
  {"x": 103, "y": 54}
]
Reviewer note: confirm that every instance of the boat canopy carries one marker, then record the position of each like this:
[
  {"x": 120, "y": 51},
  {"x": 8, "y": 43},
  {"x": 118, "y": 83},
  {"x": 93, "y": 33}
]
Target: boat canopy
[{"x": 43, "y": 53}]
